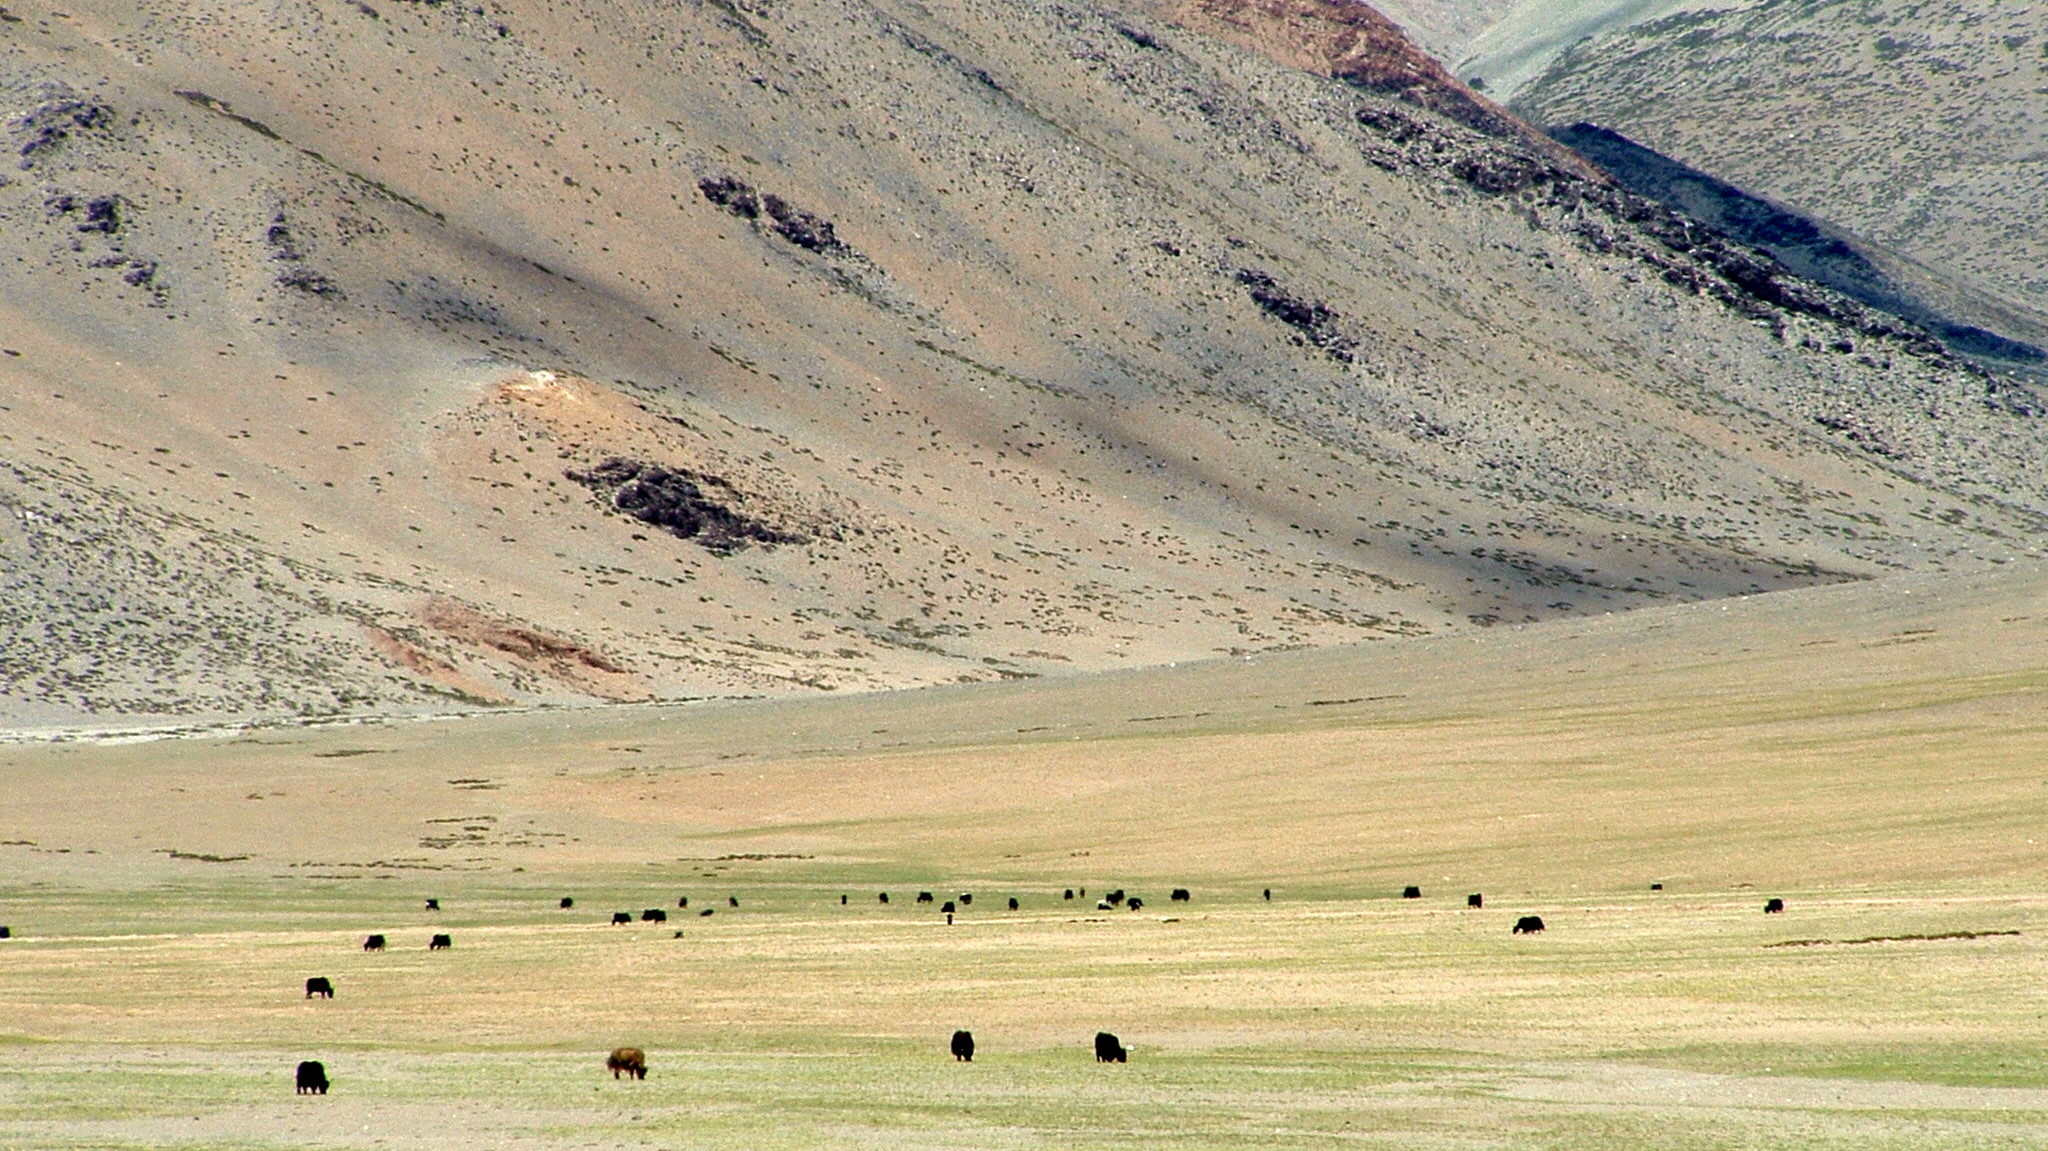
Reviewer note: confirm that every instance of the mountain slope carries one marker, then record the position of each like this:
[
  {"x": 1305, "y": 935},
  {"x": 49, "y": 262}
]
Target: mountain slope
[
  {"x": 1920, "y": 128},
  {"x": 382, "y": 356}
]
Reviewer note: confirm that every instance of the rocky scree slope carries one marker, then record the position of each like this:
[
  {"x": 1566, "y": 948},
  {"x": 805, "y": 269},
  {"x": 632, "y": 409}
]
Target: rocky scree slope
[{"x": 416, "y": 356}]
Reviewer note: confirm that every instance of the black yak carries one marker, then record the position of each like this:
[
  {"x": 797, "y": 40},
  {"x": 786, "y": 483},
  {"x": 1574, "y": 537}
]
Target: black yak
[
  {"x": 622, "y": 917},
  {"x": 948, "y": 908},
  {"x": 654, "y": 915},
  {"x": 1134, "y": 903},
  {"x": 1109, "y": 1050},
  {"x": 733, "y": 900},
  {"x": 1070, "y": 893},
  {"x": 568, "y": 902},
  {"x": 924, "y": 897},
  {"x": 963, "y": 1046},
  {"x": 1475, "y": 900},
  {"x": 885, "y": 897},
  {"x": 630, "y": 1060},
  {"x": 374, "y": 943},
  {"x": 433, "y": 905},
  {"x": 1774, "y": 906},
  {"x": 319, "y": 985},
  {"x": 1114, "y": 897},
  {"x": 1013, "y": 903},
  {"x": 966, "y": 897},
  {"x": 1179, "y": 895},
  {"x": 682, "y": 902},
  {"x": 312, "y": 1078},
  {"x": 1411, "y": 893},
  {"x": 440, "y": 943},
  {"x": 1528, "y": 925}
]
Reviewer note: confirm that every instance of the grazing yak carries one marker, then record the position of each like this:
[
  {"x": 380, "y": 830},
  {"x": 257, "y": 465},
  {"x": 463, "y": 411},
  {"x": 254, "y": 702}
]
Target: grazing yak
[
  {"x": 924, "y": 897},
  {"x": 1411, "y": 893},
  {"x": 1656, "y": 887},
  {"x": 568, "y": 902},
  {"x": 963, "y": 1046},
  {"x": 630, "y": 1060},
  {"x": 1102, "y": 905},
  {"x": 1070, "y": 893},
  {"x": 319, "y": 985},
  {"x": 6, "y": 933},
  {"x": 1774, "y": 906},
  {"x": 682, "y": 902},
  {"x": 440, "y": 943},
  {"x": 433, "y": 905},
  {"x": 654, "y": 915},
  {"x": 947, "y": 908},
  {"x": 1269, "y": 895},
  {"x": 1528, "y": 925},
  {"x": 374, "y": 943},
  {"x": 885, "y": 897},
  {"x": 1109, "y": 1050},
  {"x": 842, "y": 901},
  {"x": 1475, "y": 900},
  {"x": 734, "y": 900},
  {"x": 1013, "y": 903},
  {"x": 1115, "y": 897},
  {"x": 1179, "y": 895},
  {"x": 1134, "y": 903},
  {"x": 622, "y": 917},
  {"x": 312, "y": 1078},
  {"x": 707, "y": 911},
  {"x": 966, "y": 897}
]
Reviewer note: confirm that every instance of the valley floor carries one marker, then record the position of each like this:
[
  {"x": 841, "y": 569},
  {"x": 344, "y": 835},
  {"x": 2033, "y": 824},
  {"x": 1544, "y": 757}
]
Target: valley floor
[{"x": 1870, "y": 754}]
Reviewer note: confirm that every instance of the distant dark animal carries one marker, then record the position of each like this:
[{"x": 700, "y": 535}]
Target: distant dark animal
[
  {"x": 1180, "y": 895},
  {"x": 1656, "y": 887},
  {"x": 966, "y": 897},
  {"x": 1116, "y": 896},
  {"x": 1102, "y": 905},
  {"x": 734, "y": 900},
  {"x": 885, "y": 897},
  {"x": 1774, "y": 906},
  {"x": 374, "y": 943},
  {"x": 1269, "y": 895},
  {"x": 629, "y": 1060},
  {"x": 1134, "y": 903},
  {"x": 963, "y": 1046},
  {"x": 568, "y": 902},
  {"x": 319, "y": 985},
  {"x": 706, "y": 911},
  {"x": 1475, "y": 900},
  {"x": 948, "y": 908},
  {"x": 1070, "y": 893},
  {"x": 1109, "y": 1050},
  {"x": 6, "y": 933},
  {"x": 312, "y": 1078},
  {"x": 654, "y": 915},
  {"x": 433, "y": 905},
  {"x": 924, "y": 897},
  {"x": 1013, "y": 903},
  {"x": 622, "y": 917},
  {"x": 949, "y": 917},
  {"x": 1411, "y": 893},
  {"x": 440, "y": 943},
  {"x": 1528, "y": 925},
  {"x": 683, "y": 902},
  {"x": 842, "y": 901},
  {"x": 1083, "y": 893}
]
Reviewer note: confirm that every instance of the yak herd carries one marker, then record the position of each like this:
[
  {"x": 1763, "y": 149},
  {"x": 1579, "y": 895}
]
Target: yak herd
[{"x": 631, "y": 1062}]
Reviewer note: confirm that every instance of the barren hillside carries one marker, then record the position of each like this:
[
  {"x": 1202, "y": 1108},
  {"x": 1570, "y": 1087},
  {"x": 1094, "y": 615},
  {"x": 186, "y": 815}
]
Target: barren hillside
[
  {"x": 1919, "y": 129},
  {"x": 375, "y": 356}
]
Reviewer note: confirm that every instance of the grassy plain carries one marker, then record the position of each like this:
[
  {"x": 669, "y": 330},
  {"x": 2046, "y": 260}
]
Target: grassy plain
[{"x": 1872, "y": 754}]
